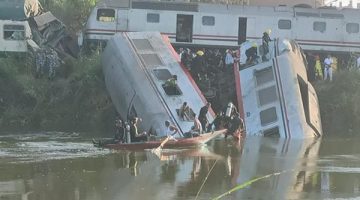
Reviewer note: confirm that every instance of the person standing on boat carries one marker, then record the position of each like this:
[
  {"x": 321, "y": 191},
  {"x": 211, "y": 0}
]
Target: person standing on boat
[
  {"x": 134, "y": 134},
  {"x": 171, "y": 130},
  {"x": 119, "y": 131},
  {"x": 197, "y": 128},
  {"x": 202, "y": 116}
]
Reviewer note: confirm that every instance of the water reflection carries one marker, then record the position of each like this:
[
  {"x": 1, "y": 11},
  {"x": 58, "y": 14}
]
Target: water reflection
[{"x": 309, "y": 169}]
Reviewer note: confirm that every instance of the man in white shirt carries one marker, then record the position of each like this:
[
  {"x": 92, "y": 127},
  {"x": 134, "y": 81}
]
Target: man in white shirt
[
  {"x": 358, "y": 63},
  {"x": 327, "y": 68}
]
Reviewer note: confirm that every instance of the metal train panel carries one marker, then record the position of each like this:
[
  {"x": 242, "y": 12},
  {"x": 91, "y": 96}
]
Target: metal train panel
[{"x": 13, "y": 35}]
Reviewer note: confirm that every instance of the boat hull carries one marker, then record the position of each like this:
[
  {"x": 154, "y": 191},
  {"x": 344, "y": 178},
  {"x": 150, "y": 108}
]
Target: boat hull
[{"x": 179, "y": 143}]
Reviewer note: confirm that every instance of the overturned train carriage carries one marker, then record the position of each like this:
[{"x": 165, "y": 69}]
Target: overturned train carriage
[
  {"x": 136, "y": 66},
  {"x": 277, "y": 97}
]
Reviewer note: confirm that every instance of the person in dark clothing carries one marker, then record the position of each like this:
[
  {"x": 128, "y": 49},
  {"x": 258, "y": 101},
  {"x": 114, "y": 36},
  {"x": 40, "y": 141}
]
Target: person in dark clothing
[
  {"x": 202, "y": 116},
  {"x": 198, "y": 65},
  {"x": 119, "y": 131},
  {"x": 119, "y": 136},
  {"x": 134, "y": 134},
  {"x": 236, "y": 124},
  {"x": 265, "y": 43},
  {"x": 251, "y": 54},
  {"x": 217, "y": 123}
]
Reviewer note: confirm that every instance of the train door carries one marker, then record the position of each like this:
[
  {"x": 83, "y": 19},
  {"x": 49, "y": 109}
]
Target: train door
[
  {"x": 184, "y": 28},
  {"x": 242, "y": 30},
  {"x": 122, "y": 20}
]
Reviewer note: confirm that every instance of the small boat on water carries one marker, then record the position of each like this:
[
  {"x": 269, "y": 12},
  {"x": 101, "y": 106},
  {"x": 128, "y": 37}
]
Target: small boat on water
[{"x": 178, "y": 143}]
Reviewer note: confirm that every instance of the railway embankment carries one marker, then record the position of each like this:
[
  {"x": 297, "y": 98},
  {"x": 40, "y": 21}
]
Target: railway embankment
[{"x": 76, "y": 100}]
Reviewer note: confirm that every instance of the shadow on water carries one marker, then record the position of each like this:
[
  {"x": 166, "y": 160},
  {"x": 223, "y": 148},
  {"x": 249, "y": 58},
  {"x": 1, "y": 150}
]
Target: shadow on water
[{"x": 66, "y": 166}]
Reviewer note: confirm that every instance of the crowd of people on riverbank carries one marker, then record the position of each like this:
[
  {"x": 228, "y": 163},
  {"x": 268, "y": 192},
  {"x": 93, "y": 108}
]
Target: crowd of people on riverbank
[{"x": 323, "y": 67}]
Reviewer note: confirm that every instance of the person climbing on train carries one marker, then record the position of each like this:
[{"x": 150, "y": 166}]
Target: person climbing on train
[
  {"x": 184, "y": 111},
  {"x": 171, "y": 85},
  {"x": 265, "y": 43},
  {"x": 251, "y": 54},
  {"x": 134, "y": 134},
  {"x": 202, "y": 116}
]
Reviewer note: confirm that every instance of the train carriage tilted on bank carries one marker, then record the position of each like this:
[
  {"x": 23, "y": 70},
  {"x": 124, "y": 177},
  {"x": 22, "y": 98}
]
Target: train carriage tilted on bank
[{"x": 186, "y": 24}]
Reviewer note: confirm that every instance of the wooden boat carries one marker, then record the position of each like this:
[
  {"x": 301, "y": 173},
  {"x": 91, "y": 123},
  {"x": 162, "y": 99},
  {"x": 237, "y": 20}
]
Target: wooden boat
[{"x": 179, "y": 143}]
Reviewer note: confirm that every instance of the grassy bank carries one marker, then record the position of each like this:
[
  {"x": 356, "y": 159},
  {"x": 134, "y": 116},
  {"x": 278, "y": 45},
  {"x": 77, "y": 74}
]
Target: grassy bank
[
  {"x": 340, "y": 103},
  {"x": 75, "y": 101}
]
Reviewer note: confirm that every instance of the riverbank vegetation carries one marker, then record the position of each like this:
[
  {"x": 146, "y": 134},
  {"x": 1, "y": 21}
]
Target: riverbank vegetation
[
  {"x": 76, "y": 100},
  {"x": 340, "y": 103}
]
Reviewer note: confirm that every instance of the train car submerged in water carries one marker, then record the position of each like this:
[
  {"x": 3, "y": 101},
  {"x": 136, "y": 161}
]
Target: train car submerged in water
[
  {"x": 276, "y": 96},
  {"x": 136, "y": 66}
]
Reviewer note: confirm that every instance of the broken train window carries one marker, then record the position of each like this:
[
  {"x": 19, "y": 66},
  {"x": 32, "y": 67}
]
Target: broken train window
[
  {"x": 14, "y": 32},
  {"x": 105, "y": 15}
]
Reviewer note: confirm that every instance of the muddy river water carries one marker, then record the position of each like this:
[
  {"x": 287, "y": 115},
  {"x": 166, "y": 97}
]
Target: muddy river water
[{"x": 65, "y": 166}]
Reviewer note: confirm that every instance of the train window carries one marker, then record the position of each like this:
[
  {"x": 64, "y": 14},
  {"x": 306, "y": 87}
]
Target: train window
[
  {"x": 14, "y": 32},
  {"x": 319, "y": 26},
  {"x": 267, "y": 95},
  {"x": 332, "y": 15},
  {"x": 153, "y": 17},
  {"x": 172, "y": 90},
  {"x": 162, "y": 74},
  {"x": 352, "y": 27},
  {"x": 105, "y": 15},
  {"x": 272, "y": 132},
  {"x": 268, "y": 116},
  {"x": 284, "y": 24},
  {"x": 208, "y": 20},
  {"x": 264, "y": 76}
]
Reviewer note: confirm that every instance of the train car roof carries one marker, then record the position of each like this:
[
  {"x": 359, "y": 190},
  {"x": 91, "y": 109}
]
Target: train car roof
[{"x": 227, "y": 8}]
